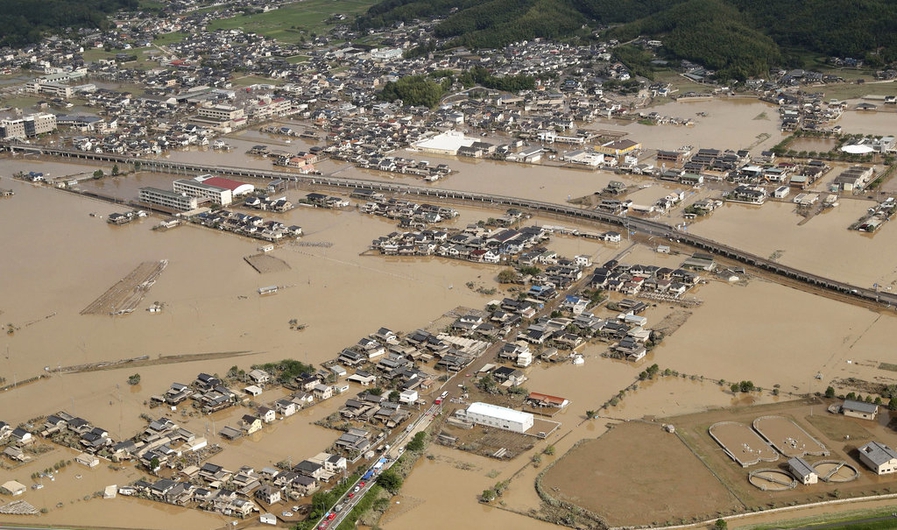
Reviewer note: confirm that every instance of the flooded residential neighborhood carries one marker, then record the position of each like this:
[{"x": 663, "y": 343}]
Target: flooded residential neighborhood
[{"x": 284, "y": 299}]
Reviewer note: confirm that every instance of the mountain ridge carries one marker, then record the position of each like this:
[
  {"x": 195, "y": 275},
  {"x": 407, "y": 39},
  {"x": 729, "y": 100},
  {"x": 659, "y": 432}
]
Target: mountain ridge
[{"x": 738, "y": 38}]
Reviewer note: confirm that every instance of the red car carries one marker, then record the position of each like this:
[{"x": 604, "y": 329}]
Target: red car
[{"x": 331, "y": 516}]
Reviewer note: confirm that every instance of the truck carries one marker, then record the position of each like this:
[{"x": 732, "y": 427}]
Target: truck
[{"x": 441, "y": 398}]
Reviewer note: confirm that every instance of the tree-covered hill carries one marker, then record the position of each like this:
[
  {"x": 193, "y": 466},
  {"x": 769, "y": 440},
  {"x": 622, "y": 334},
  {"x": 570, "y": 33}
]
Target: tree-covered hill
[
  {"x": 26, "y": 21},
  {"x": 737, "y": 37}
]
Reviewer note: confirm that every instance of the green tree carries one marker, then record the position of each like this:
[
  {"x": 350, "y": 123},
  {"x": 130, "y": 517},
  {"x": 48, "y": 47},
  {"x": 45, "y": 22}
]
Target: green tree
[
  {"x": 720, "y": 524},
  {"x": 590, "y": 414},
  {"x": 488, "y": 495},
  {"x": 487, "y": 384},
  {"x": 115, "y": 170},
  {"x": 134, "y": 379},
  {"x": 830, "y": 392},
  {"x": 394, "y": 396},
  {"x": 531, "y": 270},
  {"x": 417, "y": 443},
  {"x": 390, "y": 480},
  {"x": 507, "y": 276},
  {"x": 98, "y": 174},
  {"x": 416, "y": 90}
]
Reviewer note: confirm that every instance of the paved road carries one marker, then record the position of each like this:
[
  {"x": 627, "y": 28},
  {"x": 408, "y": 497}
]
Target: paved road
[{"x": 396, "y": 449}]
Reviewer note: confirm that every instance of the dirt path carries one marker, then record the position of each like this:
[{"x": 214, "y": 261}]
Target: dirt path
[
  {"x": 124, "y": 296},
  {"x": 136, "y": 362}
]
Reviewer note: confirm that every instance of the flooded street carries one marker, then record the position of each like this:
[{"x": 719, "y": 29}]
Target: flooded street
[{"x": 60, "y": 254}]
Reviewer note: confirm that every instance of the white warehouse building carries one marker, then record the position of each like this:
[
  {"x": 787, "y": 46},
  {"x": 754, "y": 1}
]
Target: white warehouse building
[{"x": 499, "y": 417}]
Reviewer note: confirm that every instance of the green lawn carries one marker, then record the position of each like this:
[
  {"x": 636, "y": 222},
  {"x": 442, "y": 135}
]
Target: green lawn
[
  {"x": 680, "y": 83},
  {"x": 151, "y": 5},
  {"x": 293, "y": 21},
  {"x": 144, "y": 60},
  {"x": 852, "y": 91},
  {"x": 843, "y": 522},
  {"x": 169, "y": 38},
  {"x": 21, "y": 102},
  {"x": 879, "y": 525}
]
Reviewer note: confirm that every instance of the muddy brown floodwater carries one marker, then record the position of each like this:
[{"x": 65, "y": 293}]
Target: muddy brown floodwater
[{"x": 57, "y": 258}]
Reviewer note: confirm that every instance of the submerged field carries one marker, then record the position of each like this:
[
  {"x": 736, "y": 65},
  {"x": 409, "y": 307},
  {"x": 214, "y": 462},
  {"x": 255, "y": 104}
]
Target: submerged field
[
  {"x": 639, "y": 474},
  {"x": 615, "y": 474}
]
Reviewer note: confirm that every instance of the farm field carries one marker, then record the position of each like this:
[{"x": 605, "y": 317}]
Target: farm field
[{"x": 292, "y": 21}]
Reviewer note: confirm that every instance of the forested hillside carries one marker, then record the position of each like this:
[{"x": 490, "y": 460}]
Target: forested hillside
[
  {"x": 25, "y": 21},
  {"x": 737, "y": 37}
]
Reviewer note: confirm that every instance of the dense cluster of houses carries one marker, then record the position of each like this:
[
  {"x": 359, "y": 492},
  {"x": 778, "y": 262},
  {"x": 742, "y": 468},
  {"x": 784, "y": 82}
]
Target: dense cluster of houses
[
  {"x": 408, "y": 213},
  {"x": 406, "y": 166},
  {"x": 190, "y": 96},
  {"x": 239, "y": 493},
  {"x": 634, "y": 279},
  {"x": 877, "y": 215},
  {"x": 474, "y": 243},
  {"x": 248, "y": 225}
]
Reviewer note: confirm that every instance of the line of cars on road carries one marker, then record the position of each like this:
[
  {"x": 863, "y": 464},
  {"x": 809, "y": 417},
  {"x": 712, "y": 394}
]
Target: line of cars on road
[{"x": 331, "y": 515}]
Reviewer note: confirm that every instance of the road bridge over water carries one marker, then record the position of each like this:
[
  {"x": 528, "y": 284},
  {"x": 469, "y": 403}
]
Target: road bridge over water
[{"x": 644, "y": 226}]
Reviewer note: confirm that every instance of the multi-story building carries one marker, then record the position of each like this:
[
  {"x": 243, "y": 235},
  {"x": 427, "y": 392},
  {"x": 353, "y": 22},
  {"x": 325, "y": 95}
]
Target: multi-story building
[
  {"x": 27, "y": 126},
  {"x": 168, "y": 199},
  {"x": 201, "y": 190},
  {"x": 221, "y": 112}
]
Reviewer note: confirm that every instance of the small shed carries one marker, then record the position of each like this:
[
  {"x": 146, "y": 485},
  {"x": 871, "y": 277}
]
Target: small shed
[
  {"x": 268, "y": 518},
  {"x": 408, "y": 396},
  {"x": 859, "y": 409},
  {"x": 879, "y": 457},
  {"x": 13, "y": 488},
  {"x": 87, "y": 459},
  {"x": 803, "y": 471}
]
